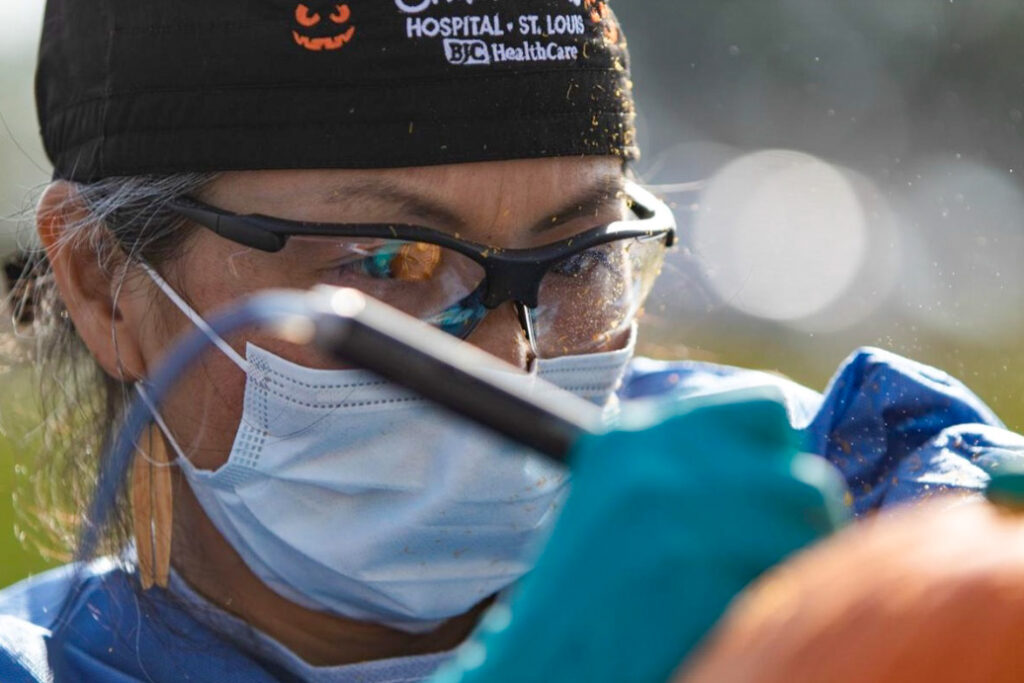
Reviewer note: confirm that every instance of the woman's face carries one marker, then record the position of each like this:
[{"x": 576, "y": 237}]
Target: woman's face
[
  {"x": 513, "y": 204},
  {"x": 129, "y": 328}
]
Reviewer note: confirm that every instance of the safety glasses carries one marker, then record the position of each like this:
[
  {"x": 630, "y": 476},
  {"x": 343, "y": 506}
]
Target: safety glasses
[{"x": 573, "y": 296}]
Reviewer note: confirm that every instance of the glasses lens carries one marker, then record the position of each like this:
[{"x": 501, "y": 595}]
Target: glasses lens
[
  {"x": 590, "y": 299},
  {"x": 424, "y": 280}
]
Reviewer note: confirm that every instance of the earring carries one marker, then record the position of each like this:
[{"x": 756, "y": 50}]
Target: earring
[{"x": 151, "y": 509}]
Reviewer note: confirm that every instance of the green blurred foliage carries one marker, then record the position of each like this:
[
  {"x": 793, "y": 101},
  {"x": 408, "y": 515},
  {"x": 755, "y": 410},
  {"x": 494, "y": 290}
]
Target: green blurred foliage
[
  {"x": 19, "y": 558},
  {"x": 20, "y": 548}
]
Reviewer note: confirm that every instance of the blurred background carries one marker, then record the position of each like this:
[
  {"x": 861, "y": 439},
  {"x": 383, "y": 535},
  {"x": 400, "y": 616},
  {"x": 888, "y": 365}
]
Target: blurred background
[{"x": 845, "y": 173}]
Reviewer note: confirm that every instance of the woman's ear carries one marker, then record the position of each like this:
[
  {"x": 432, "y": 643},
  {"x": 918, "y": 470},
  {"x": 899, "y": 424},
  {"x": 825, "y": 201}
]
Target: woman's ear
[{"x": 103, "y": 317}]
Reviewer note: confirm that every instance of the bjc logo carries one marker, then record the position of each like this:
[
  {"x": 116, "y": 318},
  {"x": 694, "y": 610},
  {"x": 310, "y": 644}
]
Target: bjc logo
[{"x": 466, "y": 52}]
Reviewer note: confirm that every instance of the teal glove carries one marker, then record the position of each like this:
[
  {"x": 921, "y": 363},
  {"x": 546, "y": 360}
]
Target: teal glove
[{"x": 667, "y": 520}]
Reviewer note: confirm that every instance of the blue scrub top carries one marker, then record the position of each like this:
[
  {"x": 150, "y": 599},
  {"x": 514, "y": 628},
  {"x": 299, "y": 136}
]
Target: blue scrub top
[{"x": 897, "y": 431}]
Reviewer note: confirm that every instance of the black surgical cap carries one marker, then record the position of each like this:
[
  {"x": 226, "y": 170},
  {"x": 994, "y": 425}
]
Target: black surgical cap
[{"x": 131, "y": 87}]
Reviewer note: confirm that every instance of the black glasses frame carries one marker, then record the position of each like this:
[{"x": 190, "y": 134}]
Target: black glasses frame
[{"x": 510, "y": 274}]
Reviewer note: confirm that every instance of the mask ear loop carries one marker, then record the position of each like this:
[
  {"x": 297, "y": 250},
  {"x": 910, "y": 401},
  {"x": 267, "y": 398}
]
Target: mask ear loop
[
  {"x": 159, "y": 420},
  {"x": 197, "y": 320}
]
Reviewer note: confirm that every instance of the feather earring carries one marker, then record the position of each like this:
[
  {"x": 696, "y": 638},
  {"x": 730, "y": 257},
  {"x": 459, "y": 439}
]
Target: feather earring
[{"x": 152, "y": 509}]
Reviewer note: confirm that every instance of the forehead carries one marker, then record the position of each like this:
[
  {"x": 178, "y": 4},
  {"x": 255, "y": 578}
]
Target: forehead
[{"x": 526, "y": 188}]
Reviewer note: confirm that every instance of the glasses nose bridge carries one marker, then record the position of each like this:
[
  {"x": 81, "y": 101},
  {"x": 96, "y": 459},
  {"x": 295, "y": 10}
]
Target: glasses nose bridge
[{"x": 513, "y": 281}]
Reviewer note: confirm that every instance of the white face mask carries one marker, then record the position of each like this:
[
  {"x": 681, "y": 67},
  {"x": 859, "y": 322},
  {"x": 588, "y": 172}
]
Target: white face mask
[{"x": 349, "y": 494}]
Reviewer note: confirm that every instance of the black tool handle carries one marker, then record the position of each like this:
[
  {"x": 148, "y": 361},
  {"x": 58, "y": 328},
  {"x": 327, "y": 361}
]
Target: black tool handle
[{"x": 362, "y": 331}]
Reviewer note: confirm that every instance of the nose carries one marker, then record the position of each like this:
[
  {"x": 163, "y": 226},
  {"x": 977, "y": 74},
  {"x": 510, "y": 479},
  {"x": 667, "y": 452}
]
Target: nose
[{"x": 501, "y": 334}]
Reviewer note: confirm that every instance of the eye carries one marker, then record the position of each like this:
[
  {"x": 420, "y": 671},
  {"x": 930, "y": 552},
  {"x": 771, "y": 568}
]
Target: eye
[
  {"x": 342, "y": 15},
  {"x": 304, "y": 18},
  {"x": 583, "y": 262},
  {"x": 405, "y": 261}
]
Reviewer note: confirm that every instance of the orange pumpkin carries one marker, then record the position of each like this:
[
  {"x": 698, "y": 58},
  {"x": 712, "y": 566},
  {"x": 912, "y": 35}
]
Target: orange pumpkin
[
  {"x": 329, "y": 34},
  {"x": 930, "y": 594}
]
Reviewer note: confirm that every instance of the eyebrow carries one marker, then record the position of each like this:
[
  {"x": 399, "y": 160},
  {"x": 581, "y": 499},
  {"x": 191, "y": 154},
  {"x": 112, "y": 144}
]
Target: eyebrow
[
  {"x": 409, "y": 203},
  {"x": 604, "y": 193},
  {"x": 607, "y": 191}
]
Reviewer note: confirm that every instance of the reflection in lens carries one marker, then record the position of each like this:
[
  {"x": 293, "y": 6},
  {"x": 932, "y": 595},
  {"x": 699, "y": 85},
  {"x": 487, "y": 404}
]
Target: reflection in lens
[
  {"x": 417, "y": 278},
  {"x": 462, "y": 317},
  {"x": 588, "y": 300},
  {"x": 416, "y": 261}
]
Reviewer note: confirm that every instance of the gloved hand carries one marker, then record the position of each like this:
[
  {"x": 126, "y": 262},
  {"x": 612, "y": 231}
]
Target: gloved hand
[{"x": 669, "y": 517}]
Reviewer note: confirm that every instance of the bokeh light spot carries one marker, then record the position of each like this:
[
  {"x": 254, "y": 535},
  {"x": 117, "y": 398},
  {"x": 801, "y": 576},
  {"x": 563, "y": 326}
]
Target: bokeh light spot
[{"x": 782, "y": 234}]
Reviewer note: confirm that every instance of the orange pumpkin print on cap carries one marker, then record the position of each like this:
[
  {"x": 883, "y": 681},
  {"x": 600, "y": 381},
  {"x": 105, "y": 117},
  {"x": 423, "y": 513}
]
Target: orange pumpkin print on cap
[
  {"x": 599, "y": 13},
  {"x": 337, "y": 18}
]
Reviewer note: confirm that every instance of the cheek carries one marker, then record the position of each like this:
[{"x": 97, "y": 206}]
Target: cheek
[{"x": 204, "y": 409}]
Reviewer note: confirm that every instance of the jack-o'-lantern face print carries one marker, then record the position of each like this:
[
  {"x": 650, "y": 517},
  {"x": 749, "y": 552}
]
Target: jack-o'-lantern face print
[{"x": 320, "y": 29}]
